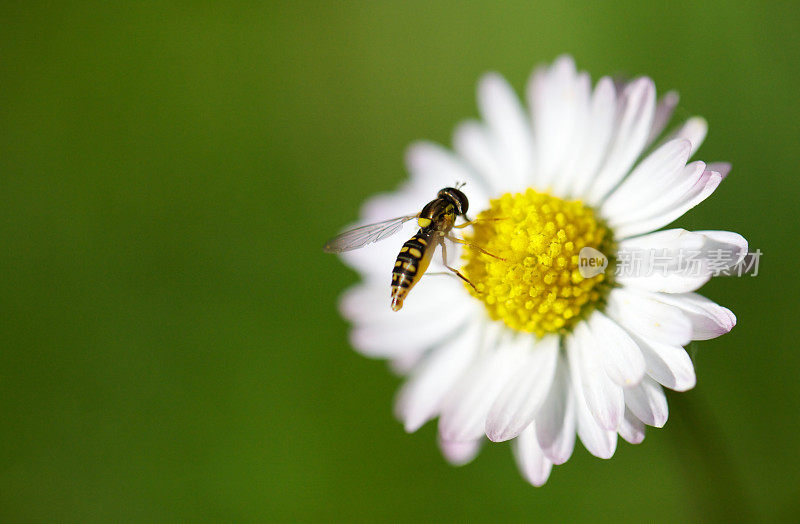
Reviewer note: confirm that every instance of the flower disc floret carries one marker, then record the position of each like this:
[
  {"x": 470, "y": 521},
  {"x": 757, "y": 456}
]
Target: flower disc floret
[{"x": 535, "y": 285}]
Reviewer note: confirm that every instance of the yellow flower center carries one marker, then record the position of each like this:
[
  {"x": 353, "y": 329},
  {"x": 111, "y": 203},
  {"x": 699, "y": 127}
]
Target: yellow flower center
[{"x": 538, "y": 286}]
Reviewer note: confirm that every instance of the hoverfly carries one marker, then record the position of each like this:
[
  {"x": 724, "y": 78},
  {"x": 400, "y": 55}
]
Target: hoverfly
[{"x": 436, "y": 221}]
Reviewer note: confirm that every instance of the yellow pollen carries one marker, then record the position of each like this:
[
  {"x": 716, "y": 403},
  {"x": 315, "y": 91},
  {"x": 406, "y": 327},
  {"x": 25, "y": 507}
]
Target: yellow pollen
[{"x": 537, "y": 287}]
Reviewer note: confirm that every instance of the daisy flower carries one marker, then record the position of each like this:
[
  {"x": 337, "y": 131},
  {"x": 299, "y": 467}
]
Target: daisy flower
[{"x": 538, "y": 352}]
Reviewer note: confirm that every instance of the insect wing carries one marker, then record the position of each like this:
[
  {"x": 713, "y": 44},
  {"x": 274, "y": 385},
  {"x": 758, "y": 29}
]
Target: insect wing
[{"x": 361, "y": 236}]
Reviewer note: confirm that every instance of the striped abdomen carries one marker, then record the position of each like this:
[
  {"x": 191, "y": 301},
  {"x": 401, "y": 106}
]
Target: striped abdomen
[{"x": 412, "y": 261}]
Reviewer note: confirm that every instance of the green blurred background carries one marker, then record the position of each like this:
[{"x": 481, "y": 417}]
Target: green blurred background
[{"x": 170, "y": 346}]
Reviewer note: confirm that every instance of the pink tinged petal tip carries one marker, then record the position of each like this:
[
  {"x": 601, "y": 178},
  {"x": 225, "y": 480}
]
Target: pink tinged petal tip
[
  {"x": 656, "y": 175},
  {"x": 598, "y": 441},
  {"x": 459, "y": 453},
  {"x": 666, "y": 106},
  {"x": 727, "y": 242},
  {"x": 631, "y": 428},
  {"x": 673, "y": 209},
  {"x": 555, "y": 421},
  {"x": 709, "y": 319},
  {"x": 694, "y": 130},
  {"x": 633, "y": 127},
  {"x": 642, "y": 313},
  {"x": 648, "y": 402},
  {"x": 532, "y": 462},
  {"x": 669, "y": 365},
  {"x": 723, "y": 168}
]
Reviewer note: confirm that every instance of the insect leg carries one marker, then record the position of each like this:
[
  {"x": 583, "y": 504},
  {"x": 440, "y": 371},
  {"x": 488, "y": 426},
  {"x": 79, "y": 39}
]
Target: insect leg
[
  {"x": 473, "y": 246},
  {"x": 454, "y": 270},
  {"x": 478, "y": 220}
]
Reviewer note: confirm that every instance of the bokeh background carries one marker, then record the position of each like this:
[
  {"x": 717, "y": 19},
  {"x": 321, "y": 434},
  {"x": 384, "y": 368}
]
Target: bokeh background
[{"x": 170, "y": 347}]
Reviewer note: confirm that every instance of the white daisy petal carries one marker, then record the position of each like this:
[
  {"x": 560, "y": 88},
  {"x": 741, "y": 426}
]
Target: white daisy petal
[
  {"x": 666, "y": 106},
  {"x": 633, "y": 127},
  {"x": 726, "y": 241},
  {"x": 678, "y": 261},
  {"x": 463, "y": 415},
  {"x": 390, "y": 337},
  {"x": 708, "y": 319},
  {"x": 666, "y": 283},
  {"x": 434, "y": 167},
  {"x": 631, "y": 428},
  {"x": 598, "y": 441},
  {"x": 654, "y": 319},
  {"x": 420, "y": 399},
  {"x": 459, "y": 453},
  {"x": 723, "y": 168},
  {"x": 367, "y": 306},
  {"x": 533, "y": 464},
  {"x": 583, "y": 139},
  {"x": 654, "y": 195},
  {"x": 694, "y": 130},
  {"x": 648, "y": 180},
  {"x": 525, "y": 392},
  {"x": 599, "y": 134},
  {"x": 648, "y": 402},
  {"x": 404, "y": 363},
  {"x": 473, "y": 142},
  {"x": 675, "y": 208},
  {"x": 621, "y": 358},
  {"x": 510, "y": 127},
  {"x": 555, "y": 421},
  {"x": 552, "y": 97},
  {"x": 669, "y": 365},
  {"x": 603, "y": 398},
  {"x": 369, "y": 302}
]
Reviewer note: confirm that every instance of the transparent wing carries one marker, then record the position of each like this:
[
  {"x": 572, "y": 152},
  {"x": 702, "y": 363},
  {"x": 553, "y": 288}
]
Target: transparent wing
[{"x": 361, "y": 236}]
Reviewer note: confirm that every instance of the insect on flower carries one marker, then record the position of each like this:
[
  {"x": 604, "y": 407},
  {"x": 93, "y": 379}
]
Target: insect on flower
[
  {"x": 436, "y": 222},
  {"x": 531, "y": 350}
]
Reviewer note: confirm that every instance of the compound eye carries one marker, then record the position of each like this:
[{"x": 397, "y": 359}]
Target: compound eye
[
  {"x": 461, "y": 200},
  {"x": 457, "y": 197},
  {"x": 464, "y": 204}
]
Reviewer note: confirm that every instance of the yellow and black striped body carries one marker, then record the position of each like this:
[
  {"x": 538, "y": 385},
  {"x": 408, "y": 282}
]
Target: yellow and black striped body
[
  {"x": 435, "y": 220},
  {"x": 411, "y": 263}
]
